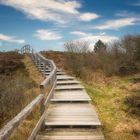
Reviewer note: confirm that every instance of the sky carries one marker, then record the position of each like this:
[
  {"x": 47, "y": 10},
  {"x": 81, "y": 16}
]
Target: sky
[{"x": 48, "y": 24}]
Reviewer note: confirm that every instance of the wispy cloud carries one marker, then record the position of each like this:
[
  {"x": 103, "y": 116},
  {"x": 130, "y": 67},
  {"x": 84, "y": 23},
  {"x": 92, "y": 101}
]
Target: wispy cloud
[
  {"x": 43, "y": 34},
  {"x": 128, "y": 14},
  {"x": 79, "y": 33},
  {"x": 102, "y": 33},
  {"x": 50, "y": 10},
  {"x": 88, "y": 16},
  {"x": 117, "y": 23},
  {"x": 137, "y": 3},
  {"x": 92, "y": 39},
  {"x": 95, "y": 38},
  {"x": 11, "y": 39}
]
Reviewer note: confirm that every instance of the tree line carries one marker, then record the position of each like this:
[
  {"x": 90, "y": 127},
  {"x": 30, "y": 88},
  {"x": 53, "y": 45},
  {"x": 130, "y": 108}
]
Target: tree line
[{"x": 121, "y": 57}]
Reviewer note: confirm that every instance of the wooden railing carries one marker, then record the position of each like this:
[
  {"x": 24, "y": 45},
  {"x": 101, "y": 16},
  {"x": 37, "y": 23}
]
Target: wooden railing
[{"x": 46, "y": 92}]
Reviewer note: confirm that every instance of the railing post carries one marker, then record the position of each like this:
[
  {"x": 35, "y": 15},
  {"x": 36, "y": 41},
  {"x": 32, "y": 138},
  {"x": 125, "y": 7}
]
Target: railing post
[
  {"x": 35, "y": 59},
  {"x": 39, "y": 65},
  {"x": 42, "y": 105},
  {"x": 32, "y": 55},
  {"x": 45, "y": 69}
]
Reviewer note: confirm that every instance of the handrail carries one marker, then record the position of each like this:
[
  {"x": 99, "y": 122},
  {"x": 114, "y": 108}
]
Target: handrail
[
  {"x": 11, "y": 125},
  {"x": 43, "y": 83},
  {"x": 38, "y": 125},
  {"x": 6, "y": 131}
]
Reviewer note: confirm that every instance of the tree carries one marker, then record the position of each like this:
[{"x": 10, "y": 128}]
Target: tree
[
  {"x": 131, "y": 44},
  {"x": 77, "y": 46},
  {"x": 76, "y": 56},
  {"x": 99, "y": 47}
]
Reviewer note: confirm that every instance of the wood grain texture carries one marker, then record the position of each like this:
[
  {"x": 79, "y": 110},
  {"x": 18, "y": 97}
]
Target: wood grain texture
[
  {"x": 71, "y": 134},
  {"x": 71, "y": 114},
  {"x": 68, "y": 95}
]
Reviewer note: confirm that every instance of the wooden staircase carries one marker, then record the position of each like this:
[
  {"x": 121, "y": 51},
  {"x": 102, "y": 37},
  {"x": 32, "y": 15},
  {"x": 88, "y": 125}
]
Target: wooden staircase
[
  {"x": 65, "y": 109},
  {"x": 70, "y": 115}
]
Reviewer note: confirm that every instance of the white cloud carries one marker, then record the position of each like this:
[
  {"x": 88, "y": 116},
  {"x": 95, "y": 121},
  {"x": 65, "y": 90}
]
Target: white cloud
[
  {"x": 95, "y": 38},
  {"x": 43, "y": 34},
  {"x": 102, "y": 33},
  {"x": 92, "y": 39},
  {"x": 11, "y": 39},
  {"x": 61, "y": 43},
  {"x": 79, "y": 33},
  {"x": 116, "y": 24},
  {"x": 88, "y": 16},
  {"x": 46, "y": 10},
  {"x": 57, "y": 11}
]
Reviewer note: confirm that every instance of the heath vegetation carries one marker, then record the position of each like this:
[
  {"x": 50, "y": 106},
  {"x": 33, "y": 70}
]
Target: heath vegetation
[{"x": 111, "y": 75}]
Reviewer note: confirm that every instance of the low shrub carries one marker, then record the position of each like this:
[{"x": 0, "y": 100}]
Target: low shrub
[
  {"x": 10, "y": 61},
  {"x": 15, "y": 86},
  {"x": 133, "y": 103}
]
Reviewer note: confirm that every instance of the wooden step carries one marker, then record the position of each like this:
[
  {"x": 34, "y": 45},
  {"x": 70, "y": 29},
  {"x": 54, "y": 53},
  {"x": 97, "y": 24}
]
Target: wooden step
[
  {"x": 64, "y": 77},
  {"x": 58, "y": 73},
  {"x": 71, "y": 114},
  {"x": 59, "y": 70},
  {"x": 71, "y": 134},
  {"x": 68, "y": 82},
  {"x": 46, "y": 70},
  {"x": 67, "y": 96},
  {"x": 61, "y": 73},
  {"x": 69, "y": 87},
  {"x": 47, "y": 73}
]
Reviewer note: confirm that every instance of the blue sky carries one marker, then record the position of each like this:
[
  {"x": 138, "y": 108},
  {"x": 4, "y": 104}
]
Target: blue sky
[{"x": 47, "y": 24}]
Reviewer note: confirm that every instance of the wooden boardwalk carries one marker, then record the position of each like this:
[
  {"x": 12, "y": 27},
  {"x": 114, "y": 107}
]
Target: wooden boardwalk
[
  {"x": 65, "y": 109},
  {"x": 70, "y": 115}
]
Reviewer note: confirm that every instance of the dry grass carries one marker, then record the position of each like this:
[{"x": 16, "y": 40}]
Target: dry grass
[
  {"x": 22, "y": 88},
  {"x": 25, "y": 128},
  {"x": 108, "y": 97},
  {"x": 56, "y": 56},
  {"x": 32, "y": 70},
  {"x": 109, "y": 94}
]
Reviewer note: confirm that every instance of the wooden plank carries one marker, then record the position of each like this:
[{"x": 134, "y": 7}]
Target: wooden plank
[
  {"x": 74, "y": 114},
  {"x": 69, "y": 87},
  {"x": 72, "y": 98},
  {"x": 69, "y": 137},
  {"x": 61, "y": 73},
  {"x": 71, "y": 134},
  {"x": 64, "y": 77},
  {"x": 59, "y": 70},
  {"x": 68, "y": 82},
  {"x": 78, "y": 95},
  {"x": 48, "y": 72}
]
